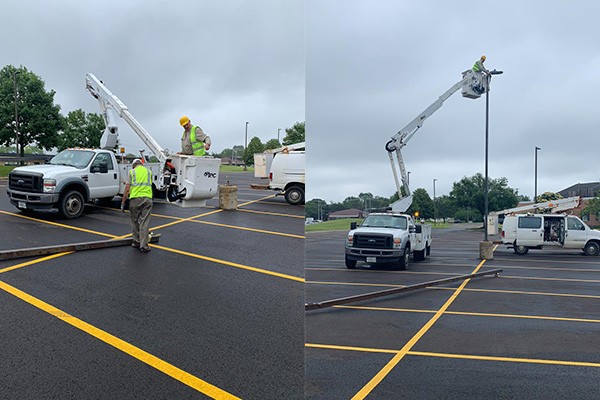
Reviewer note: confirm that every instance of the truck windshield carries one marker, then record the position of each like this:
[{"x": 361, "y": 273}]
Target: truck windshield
[
  {"x": 385, "y": 221},
  {"x": 74, "y": 158}
]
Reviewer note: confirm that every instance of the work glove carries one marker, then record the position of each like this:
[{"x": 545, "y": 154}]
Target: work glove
[{"x": 123, "y": 207}]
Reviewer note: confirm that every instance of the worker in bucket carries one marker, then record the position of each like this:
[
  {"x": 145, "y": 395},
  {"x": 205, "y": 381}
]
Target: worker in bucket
[
  {"x": 194, "y": 141},
  {"x": 139, "y": 191},
  {"x": 480, "y": 69}
]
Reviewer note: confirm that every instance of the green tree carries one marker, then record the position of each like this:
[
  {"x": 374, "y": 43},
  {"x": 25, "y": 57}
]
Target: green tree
[
  {"x": 39, "y": 118},
  {"x": 81, "y": 130},
  {"x": 445, "y": 207},
  {"x": 352, "y": 202},
  {"x": 547, "y": 196},
  {"x": 421, "y": 203},
  {"x": 295, "y": 134},
  {"x": 468, "y": 193},
  {"x": 592, "y": 207},
  {"x": 255, "y": 146},
  {"x": 272, "y": 144},
  {"x": 316, "y": 208}
]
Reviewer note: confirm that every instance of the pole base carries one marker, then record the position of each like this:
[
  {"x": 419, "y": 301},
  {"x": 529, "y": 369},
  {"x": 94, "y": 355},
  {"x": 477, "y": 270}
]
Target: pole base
[{"x": 486, "y": 250}]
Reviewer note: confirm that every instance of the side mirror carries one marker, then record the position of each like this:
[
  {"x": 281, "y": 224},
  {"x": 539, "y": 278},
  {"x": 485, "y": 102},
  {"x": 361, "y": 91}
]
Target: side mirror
[
  {"x": 352, "y": 226},
  {"x": 412, "y": 229}
]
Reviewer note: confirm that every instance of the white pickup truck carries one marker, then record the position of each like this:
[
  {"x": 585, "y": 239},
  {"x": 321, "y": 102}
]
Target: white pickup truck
[
  {"x": 73, "y": 178},
  {"x": 387, "y": 238},
  {"x": 536, "y": 231}
]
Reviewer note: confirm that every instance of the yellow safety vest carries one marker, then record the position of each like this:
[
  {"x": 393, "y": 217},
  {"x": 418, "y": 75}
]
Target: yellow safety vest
[
  {"x": 197, "y": 146},
  {"x": 141, "y": 182}
]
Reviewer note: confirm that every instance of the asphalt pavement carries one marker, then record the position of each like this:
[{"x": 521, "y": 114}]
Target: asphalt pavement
[
  {"x": 215, "y": 310},
  {"x": 531, "y": 333}
]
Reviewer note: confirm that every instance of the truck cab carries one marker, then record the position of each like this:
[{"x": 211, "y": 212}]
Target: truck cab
[
  {"x": 538, "y": 231},
  {"x": 387, "y": 238},
  {"x": 72, "y": 178}
]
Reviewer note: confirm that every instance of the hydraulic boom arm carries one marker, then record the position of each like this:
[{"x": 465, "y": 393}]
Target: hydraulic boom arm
[
  {"x": 473, "y": 84},
  {"x": 109, "y": 101}
]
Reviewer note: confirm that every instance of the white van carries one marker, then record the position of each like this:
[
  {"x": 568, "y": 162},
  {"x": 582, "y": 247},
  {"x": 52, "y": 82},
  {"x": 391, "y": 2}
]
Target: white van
[
  {"x": 537, "y": 231},
  {"x": 285, "y": 169}
]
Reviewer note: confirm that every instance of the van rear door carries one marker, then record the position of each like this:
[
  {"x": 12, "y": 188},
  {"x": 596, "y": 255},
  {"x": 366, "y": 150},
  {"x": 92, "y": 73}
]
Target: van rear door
[{"x": 530, "y": 231}]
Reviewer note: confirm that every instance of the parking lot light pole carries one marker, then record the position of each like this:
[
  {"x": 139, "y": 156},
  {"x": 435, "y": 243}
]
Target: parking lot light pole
[
  {"x": 278, "y": 130},
  {"x": 535, "y": 189},
  {"x": 17, "y": 154},
  {"x": 485, "y": 249},
  {"x": 245, "y": 147},
  {"x": 434, "y": 216}
]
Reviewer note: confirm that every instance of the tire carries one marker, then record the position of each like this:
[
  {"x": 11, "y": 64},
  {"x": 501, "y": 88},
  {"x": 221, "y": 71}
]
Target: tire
[
  {"x": 591, "y": 248},
  {"x": 419, "y": 255},
  {"x": 521, "y": 250},
  {"x": 294, "y": 195},
  {"x": 71, "y": 204},
  {"x": 403, "y": 263},
  {"x": 350, "y": 264}
]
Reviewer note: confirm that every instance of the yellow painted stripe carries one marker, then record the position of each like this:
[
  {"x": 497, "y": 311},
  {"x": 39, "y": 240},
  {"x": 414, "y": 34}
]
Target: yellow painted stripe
[
  {"x": 257, "y": 200},
  {"x": 348, "y": 348},
  {"x": 57, "y": 224},
  {"x": 474, "y": 314},
  {"x": 231, "y": 264},
  {"x": 368, "y": 388},
  {"x": 250, "y": 229},
  {"x": 548, "y": 268},
  {"x": 355, "y": 284},
  {"x": 583, "y": 296},
  {"x": 272, "y": 213},
  {"x": 147, "y": 358},
  {"x": 457, "y": 356},
  {"x": 507, "y": 359},
  {"x": 185, "y": 219},
  {"x": 32, "y": 262},
  {"x": 550, "y": 279}
]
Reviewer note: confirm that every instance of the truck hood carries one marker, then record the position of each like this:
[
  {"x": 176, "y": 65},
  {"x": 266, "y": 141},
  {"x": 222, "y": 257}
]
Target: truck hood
[
  {"x": 48, "y": 170},
  {"x": 394, "y": 231}
]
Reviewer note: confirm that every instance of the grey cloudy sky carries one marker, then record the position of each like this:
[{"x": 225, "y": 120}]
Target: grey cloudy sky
[
  {"x": 222, "y": 63},
  {"x": 373, "y": 66}
]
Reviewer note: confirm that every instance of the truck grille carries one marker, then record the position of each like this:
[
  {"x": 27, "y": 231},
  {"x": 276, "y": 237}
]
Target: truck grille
[
  {"x": 25, "y": 182},
  {"x": 373, "y": 241}
]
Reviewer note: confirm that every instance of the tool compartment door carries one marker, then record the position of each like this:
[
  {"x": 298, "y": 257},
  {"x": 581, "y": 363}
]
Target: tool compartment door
[{"x": 530, "y": 231}]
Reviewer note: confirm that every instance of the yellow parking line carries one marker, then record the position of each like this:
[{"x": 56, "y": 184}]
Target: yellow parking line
[
  {"x": 147, "y": 358},
  {"x": 275, "y": 214},
  {"x": 550, "y": 279},
  {"x": 583, "y": 296},
  {"x": 25, "y": 264},
  {"x": 368, "y": 388},
  {"x": 474, "y": 314},
  {"x": 249, "y": 229},
  {"x": 457, "y": 356},
  {"x": 231, "y": 264},
  {"x": 56, "y": 224},
  {"x": 354, "y": 284}
]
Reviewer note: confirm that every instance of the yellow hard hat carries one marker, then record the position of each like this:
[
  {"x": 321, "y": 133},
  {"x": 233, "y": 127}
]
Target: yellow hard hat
[
  {"x": 184, "y": 120},
  {"x": 483, "y": 58}
]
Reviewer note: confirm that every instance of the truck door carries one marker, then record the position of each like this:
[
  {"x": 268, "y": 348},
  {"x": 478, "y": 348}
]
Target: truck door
[
  {"x": 530, "y": 231},
  {"x": 103, "y": 179},
  {"x": 576, "y": 234}
]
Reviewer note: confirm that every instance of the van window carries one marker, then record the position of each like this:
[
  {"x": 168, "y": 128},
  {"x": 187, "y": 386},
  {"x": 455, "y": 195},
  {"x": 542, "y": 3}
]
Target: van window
[
  {"x": 530, "y": 222},
  {"x": 573, "y": 224}
]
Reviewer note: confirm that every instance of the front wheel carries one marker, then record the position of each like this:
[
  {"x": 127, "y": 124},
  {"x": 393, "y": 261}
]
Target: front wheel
[
  {"x": 403, "y": 264},
  {"x": 521, "y": 250},
  {"x": 591, "y": 249},
  {"x": 294, "y": 195},
  {"x": 71, "y": 204},
  {"x": 350, "y": 264}
]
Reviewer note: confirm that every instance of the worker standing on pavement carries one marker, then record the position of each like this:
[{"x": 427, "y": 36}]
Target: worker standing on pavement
[
  {"x": 194, "y": 141},
  {"x": 139, "y": 191}
]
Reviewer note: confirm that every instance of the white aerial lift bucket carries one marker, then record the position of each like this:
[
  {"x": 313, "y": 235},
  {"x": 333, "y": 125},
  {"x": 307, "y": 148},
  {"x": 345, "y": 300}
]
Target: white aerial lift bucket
[{"x": 196, "y": 180}]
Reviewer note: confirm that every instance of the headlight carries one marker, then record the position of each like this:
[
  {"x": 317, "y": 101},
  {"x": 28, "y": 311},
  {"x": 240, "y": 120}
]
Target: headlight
[
  {"x": 397, "y": 242},
  {"x": 349, "y": 240},
  {"x": 49, "y": 185}
]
